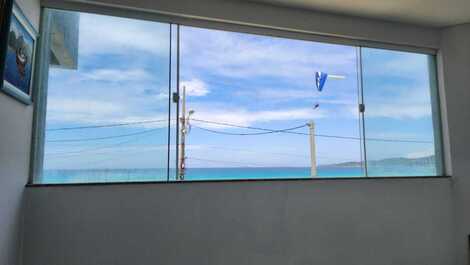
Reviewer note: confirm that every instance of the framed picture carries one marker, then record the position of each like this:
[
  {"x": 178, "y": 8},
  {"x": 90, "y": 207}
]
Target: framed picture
[{"x": 19, "y": 57}]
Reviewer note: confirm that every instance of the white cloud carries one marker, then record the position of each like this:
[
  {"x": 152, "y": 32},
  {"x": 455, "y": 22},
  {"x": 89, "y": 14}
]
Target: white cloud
[
  {"x": 281, "y": 94},
  {"x": 396, "y": 85},
  {"x": 72, "y": 105},
  {"x": 88, "y": 111},
  {"x": 245, "y": 56},
  {"x": 399, "y": 102},
  {"x": 112, "y": 35},
  {"x": 245, "y": 117},
  {"x": 89, "y": 97},
  {"x": 75, "y": 110},
  {"x": 399, "y": 111},
  {"x": 136, "y": 75},
  {"x": 395, "y": 63},
  {"x": 395, "y": 110},
  {"x": 195, "y": 87}
]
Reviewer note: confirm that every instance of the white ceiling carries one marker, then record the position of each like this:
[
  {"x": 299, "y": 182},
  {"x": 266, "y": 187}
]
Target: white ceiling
[{"x": 435, "y": 13}]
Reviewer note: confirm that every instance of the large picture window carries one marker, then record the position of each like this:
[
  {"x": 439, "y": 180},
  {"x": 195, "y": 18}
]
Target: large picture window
[{"x": 165, "y": 102}]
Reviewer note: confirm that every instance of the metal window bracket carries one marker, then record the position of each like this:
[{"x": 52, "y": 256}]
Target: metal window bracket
[
  {"x": 176, "y": 97},
  {"x": 362, "y": 108}
]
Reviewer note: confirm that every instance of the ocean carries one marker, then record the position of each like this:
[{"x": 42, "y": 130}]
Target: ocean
[{"x": 52, "y": 176}]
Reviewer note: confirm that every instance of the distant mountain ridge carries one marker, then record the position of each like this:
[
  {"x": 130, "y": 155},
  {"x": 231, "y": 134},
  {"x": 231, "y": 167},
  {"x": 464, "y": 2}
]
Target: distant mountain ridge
[{"x": 398, "y": 161}]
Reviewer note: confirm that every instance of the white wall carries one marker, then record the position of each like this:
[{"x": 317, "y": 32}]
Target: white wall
[
  {"x": 456, "y": 59},
  {"x": 15, "y": 138},
  {"x": 292, "y": 222},
  {"x": 14, "y": 158}
]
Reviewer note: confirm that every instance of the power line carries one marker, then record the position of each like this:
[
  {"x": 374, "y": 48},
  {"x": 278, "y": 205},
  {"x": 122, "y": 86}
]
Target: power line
[
  {"x": 105, "y": 125},
  {"x": 242, "y": 127},
  {"x": 101, "y": 138},
  {"x": 247, "y": 134},
  {"x": 87, "y": 150},
  {"x": 271, "y": 153},
  {"x": 112, "y": 152},
  {"x": 93, "y": 149},
  {"x": 253, "y": 151},
  {"x": 264, "y": 131},
  {"x": 112, "y": 146},
  {"x": 224, "y": 161},
  {"x": 299, "y": 133},
  {"x": 109, "y": 159}
]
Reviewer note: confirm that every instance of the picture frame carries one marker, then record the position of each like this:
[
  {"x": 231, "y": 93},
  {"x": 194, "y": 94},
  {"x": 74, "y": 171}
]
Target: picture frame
[
  {"x": 5, "y": 13},
  {"x": 18, "y": 72}
]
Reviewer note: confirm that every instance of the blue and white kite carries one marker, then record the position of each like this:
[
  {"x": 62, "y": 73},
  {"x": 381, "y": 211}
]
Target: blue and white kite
[{"x": 320, "y": 80}]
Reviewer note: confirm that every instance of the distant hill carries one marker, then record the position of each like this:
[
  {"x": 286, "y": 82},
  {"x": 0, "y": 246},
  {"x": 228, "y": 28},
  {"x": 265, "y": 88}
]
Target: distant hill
[{"x": 398, "y": 161}]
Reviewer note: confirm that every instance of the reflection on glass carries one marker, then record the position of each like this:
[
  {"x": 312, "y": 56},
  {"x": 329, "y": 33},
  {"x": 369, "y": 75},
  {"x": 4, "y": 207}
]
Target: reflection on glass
[
  {"x": 107, "y": 106},
  {"x": 399, "y": 127}
]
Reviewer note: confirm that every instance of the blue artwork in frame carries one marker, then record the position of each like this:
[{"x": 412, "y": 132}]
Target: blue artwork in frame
[{"x": 19, "y": 59}]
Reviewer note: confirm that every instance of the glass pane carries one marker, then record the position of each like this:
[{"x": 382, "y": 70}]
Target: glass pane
[
  {"x": 249, "y": 99},
  {"x": 108, "y": 99},
  {"x": 399, "y": 127},
  {"x": 173, "y": 107}
]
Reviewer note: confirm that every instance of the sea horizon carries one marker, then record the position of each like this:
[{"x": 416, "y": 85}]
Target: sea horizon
[{"x": 227, "y": 173}]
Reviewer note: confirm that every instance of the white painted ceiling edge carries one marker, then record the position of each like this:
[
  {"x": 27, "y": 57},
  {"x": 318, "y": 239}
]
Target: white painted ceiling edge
[
  {"x": 434, "y": 13},
  {"x": 269, "y": 16}
]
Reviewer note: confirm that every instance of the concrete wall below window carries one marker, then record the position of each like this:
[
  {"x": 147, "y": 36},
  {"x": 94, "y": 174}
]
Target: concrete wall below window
[{"x": 269, "y": 222}]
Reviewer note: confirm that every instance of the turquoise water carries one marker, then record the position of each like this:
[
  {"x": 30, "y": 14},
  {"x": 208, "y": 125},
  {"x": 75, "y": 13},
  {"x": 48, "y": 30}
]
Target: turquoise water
[{"x": 198, "y": 174}]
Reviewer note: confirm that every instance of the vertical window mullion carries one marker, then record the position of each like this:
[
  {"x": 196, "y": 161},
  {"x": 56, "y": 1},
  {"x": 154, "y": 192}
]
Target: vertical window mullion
[
  {"x": 178, "y": 101},
  {"x": 436, "y": 116},
  {"x": 169, "y": 104},
  {"x": 361, "y": 109},
  {"x": 40, "y": 98}
]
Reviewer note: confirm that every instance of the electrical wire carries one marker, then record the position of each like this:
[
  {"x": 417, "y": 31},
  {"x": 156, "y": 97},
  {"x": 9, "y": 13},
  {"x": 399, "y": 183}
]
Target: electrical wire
[
  {"x": 105, "y": 125},
  {"x": 241, "y": 126},
  {"x": 247, "y": 134},
  {"x": 102, "y": 138},
  {"x": 224, "y": 161},
  {"x": 299, "y": 133},
  {"x": 263, "y": 132},
  {"x": 108, "y": 159},
  {"x": 87, "y": 150},
  {"x": 216, "y": 147}
]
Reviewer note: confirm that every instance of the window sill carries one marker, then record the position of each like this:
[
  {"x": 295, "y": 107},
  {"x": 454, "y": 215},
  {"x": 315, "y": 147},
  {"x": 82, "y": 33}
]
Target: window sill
[{"x": 37, "y": 185}]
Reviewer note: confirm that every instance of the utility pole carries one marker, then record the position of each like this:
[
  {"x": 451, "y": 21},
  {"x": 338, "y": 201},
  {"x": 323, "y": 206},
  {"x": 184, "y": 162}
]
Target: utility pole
[
  {"x": 183, "y": 131},
  {"x": 313, "y": 155}
]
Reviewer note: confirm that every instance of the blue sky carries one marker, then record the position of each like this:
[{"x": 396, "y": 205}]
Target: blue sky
[{"x": 243, "y": 79}]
